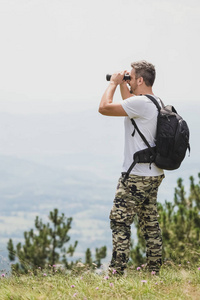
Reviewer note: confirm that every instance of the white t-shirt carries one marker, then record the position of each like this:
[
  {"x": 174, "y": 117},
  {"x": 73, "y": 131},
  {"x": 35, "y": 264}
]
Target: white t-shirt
[{"x": 145, "y": 113}]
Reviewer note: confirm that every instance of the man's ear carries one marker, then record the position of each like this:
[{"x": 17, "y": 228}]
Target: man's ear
[{"x": 140, "y": 80}]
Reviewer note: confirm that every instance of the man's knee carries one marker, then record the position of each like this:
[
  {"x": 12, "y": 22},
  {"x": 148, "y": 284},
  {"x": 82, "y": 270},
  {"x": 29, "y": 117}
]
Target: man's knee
[
  {"x": 120, "y": 228},
  {"x": 121, "y": 225}
]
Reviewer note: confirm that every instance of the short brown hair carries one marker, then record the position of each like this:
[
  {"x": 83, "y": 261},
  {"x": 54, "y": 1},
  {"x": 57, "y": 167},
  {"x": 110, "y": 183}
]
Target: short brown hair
[{"x": 146, "y": 70}]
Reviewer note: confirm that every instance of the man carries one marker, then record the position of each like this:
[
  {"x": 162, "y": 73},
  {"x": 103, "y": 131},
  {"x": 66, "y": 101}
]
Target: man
[{"x": 139, "y": 193}]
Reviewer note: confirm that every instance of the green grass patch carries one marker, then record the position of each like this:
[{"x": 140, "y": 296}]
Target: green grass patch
[{"x": 174, "y": 282}]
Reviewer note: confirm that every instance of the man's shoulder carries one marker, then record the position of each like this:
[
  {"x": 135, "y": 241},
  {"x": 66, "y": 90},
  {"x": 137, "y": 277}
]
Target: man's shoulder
[
  {"x": 136, "y": 99},
  {"x": 135, "y": 106},
  {"x": 138, "y": 102},
  {"x": 141, "y": 99}
]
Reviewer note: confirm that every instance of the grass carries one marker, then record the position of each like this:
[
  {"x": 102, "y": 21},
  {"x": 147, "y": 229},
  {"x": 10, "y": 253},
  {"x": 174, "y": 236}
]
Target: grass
[{"x": 174, "y": 282}]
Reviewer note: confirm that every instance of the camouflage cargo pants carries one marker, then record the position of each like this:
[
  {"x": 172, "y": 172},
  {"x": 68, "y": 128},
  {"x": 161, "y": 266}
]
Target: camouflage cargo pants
[{"x": 137, "y": 196}]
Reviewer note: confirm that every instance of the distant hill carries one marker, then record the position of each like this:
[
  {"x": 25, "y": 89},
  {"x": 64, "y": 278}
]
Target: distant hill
[{"x": 28, "y": 189}]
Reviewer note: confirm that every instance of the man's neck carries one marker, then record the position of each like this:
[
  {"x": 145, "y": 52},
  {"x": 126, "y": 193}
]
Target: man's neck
[{"x": 144, "y": 91}]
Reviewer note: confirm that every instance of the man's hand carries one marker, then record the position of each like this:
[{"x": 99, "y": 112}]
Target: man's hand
[{"x": 117, "y": 78}]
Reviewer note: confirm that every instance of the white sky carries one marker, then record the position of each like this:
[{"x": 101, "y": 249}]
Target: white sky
[{"x": 54, "y": 54}]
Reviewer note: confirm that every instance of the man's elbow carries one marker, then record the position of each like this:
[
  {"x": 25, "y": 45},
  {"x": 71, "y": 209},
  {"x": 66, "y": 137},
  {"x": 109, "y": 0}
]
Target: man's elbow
[{"x": 102, "y": 110}]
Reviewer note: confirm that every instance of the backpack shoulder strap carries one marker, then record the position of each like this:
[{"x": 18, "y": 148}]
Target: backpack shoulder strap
[
  {"x": 140, "y": 133},
  {"x": 155, "y": 101}
]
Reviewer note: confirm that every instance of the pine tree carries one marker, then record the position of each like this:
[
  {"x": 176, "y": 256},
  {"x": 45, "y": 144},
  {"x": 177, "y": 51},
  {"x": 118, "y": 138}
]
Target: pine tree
[
  {"x": 43, "y": 245},
  {"x": 88, "y": 257},
  {"x": 100, "y": 253},
  {"x": 180, "y": 223}
]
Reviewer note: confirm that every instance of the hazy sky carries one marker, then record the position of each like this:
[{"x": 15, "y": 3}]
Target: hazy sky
[{"x": 54, "y": 54}]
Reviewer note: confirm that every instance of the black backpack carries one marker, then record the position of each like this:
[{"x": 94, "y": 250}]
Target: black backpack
[{"x": 172, "y": 140}]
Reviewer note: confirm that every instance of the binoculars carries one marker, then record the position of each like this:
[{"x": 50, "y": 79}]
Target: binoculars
[{"x": 126, "y": 77}]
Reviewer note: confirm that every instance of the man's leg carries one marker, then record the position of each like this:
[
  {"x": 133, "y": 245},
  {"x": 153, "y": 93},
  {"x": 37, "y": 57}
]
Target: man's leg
[
  {"x": 121, "y": 245},
  {"x": 150, "y": 227},
  {"x": 121, "y": 218}
]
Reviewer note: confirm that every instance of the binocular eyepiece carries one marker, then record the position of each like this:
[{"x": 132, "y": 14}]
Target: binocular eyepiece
[{"x": 126, "y": 77}]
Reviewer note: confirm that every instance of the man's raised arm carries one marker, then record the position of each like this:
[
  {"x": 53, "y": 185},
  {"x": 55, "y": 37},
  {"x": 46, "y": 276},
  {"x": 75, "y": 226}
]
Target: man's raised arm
[{"x": 107, "y": 107}]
